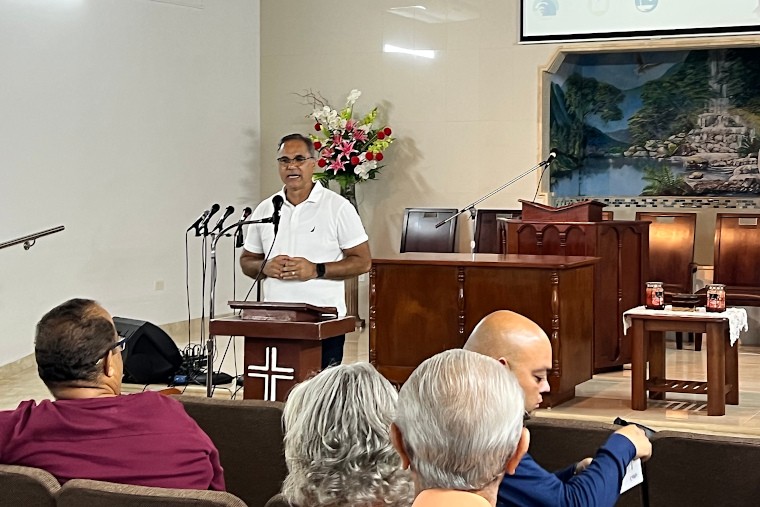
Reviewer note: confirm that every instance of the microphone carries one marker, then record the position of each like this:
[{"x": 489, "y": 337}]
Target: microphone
[
  {"x": 239, "y": 232},
  {"x": 220, "y": 223},
  {"x": 546, "y": 163},
  {"x": 277, "y": 202},
  {"x": 204, "y": 224},
  {"x": 198, "y": 221}
]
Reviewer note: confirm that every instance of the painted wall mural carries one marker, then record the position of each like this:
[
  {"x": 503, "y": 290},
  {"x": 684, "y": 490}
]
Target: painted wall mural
[{"x": 675, "y": 123}]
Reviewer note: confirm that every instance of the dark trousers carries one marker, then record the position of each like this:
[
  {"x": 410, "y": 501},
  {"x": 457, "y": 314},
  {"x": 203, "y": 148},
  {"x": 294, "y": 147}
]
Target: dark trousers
[{"x": 332, "y": 350}]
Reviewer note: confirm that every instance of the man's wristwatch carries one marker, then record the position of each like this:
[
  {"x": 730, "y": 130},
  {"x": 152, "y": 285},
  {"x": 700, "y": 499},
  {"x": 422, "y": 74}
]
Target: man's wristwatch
[{"x": 320, "y": 270}]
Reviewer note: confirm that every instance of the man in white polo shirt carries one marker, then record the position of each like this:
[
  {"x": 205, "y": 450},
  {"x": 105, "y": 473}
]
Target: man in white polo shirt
[{"x": 320, "y": 241}]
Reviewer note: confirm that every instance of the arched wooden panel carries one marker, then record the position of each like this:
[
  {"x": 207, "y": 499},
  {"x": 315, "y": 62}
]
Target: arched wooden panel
[
  {"x": 551, "y": 244},
  {"x": 576, "y": 241},
  {"x": 527, "y": 242}
]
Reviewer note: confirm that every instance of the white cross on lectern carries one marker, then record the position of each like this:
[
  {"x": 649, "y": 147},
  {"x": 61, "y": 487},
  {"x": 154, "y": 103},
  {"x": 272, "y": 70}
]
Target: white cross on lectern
[{"x": 276, "y": 373}]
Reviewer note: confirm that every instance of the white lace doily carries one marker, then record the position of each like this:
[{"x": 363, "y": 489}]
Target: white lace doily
[{"x": 737, "y": 317}]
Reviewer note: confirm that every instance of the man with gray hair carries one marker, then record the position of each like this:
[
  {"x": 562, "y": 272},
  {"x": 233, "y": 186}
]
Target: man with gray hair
[
  {"x": 458, "y": 427},
  {"x": 321, "y": 241}
]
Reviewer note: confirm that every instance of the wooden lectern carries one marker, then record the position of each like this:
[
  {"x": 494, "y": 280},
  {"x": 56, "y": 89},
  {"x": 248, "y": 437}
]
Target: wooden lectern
[
  {"x": 283, "y": 343},
  {"x": 619, "y": 278}
]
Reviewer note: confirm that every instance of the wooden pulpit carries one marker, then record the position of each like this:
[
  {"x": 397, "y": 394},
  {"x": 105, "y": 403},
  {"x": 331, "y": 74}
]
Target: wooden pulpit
[
  {"x": 585, "y": 211},
  {"x": 283, "y": 343},
  {"x": 619, "y": 278}
]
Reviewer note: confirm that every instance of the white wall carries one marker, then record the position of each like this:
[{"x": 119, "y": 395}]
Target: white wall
[
  {"x": 466, "y": 121},
  {"x": 122, "y": 120}
]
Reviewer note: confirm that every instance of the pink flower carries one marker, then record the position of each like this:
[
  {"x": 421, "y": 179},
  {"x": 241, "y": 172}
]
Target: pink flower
[
  {"x": 346, "y": 148},
  {"x": 337, "y": 139},
  {"x": 350, "y": 124},
  {"x": 337, "y": 165},
  {"x": 360, "y": 135}
]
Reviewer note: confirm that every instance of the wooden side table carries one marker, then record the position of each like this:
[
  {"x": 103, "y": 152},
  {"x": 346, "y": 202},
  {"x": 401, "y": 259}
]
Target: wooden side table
[{"x": 648, "y": 338}]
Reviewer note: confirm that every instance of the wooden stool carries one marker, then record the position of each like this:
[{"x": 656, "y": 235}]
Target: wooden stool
[{"x": 648, "y": 344}]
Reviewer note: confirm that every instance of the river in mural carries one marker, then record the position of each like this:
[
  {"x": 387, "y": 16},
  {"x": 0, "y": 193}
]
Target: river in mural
[{"x": 676, "y": 123}]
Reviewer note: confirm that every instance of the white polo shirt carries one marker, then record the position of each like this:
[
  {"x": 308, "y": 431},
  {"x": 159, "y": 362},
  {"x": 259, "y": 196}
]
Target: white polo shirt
[{"x": 318, "y": 229}]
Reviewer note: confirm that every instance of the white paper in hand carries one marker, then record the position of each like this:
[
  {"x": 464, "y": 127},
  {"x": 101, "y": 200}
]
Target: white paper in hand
[{"x": 633, "y": 476}]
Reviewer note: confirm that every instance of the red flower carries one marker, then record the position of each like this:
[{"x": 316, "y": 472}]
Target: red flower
[
  {"x": 370, "y": 155},
  {"x": 355, "y": 160},
  {"x": 322, "y": 162},
  {"x": 379, "y": 157},
  {"x": 317, "y": 127},
  {"x": 381, "y": 135},
  {"x": 387, "y": 131},
  {"x": 317, "y": 145}
]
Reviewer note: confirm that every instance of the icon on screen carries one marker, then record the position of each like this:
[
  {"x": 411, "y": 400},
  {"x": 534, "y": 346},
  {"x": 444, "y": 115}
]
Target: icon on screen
[
  {"x": 646, "y": 5},
  {"x": 598, "y": 7},
  {"x": 546, "y": 7}
]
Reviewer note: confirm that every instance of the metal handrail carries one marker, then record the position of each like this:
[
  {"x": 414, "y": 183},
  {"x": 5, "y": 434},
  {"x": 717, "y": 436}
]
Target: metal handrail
[{"x": 29, "y": 240}]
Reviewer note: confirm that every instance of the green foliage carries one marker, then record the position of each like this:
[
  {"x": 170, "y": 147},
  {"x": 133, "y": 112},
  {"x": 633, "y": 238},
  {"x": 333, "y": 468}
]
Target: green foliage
[
  {"x": 672, "y": 104},
  {"x": 379, "y": 145},
  {"x": 749, "y": 147},
  {"x": 587, "y": 95},
  {"x": 742, "y": 78},
  {"x": 321, "y": 178},
  {"x": 569, "y": 133},
  {"x": 370, "y": 118},
  {"x": 662, "y": 181}
]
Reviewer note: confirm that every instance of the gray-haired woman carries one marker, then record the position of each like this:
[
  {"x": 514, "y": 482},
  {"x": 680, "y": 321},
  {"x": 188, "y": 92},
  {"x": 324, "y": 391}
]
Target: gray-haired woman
[{"x": 337, "y": 442}]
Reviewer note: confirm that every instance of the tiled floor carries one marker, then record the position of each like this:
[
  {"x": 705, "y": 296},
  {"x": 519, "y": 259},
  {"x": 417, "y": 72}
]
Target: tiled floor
[{"x": 603, "y": 398}]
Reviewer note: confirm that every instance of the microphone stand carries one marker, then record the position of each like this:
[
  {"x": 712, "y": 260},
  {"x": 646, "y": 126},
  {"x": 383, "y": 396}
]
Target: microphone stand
[
  {"x": 471, "y": 207},
  {"x": 212, "y": 299}
]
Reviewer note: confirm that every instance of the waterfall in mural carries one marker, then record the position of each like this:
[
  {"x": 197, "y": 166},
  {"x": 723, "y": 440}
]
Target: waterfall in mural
[{"x": 678, "y": 123}]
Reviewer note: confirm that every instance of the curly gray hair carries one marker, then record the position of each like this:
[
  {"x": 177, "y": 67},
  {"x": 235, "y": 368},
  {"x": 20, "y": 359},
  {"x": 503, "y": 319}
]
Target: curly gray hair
[{"x": 337, "y": 441}]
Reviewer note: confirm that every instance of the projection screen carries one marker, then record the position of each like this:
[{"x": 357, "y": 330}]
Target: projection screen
[{"x": 577, "y": 20}]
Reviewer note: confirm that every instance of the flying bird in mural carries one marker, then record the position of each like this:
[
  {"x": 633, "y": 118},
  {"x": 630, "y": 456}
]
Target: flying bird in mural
[{"x": 642, "y": 67}]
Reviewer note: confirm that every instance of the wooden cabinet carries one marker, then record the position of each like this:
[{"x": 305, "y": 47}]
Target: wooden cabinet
[
  {"x": 620, "y": 276},
  {"x": 422, "y": 304}
]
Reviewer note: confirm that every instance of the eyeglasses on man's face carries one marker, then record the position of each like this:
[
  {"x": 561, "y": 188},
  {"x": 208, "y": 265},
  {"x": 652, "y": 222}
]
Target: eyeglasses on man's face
[
  {"x": 297, "y": 160},
  {"x": 120, "y": 345}
]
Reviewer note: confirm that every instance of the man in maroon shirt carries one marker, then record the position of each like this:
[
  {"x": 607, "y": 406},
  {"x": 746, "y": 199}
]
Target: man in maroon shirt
[{"x": 90, "y": 431}]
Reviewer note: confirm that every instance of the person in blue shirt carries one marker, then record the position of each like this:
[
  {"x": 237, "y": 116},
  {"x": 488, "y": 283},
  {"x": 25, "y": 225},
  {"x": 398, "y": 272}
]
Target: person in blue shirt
[{"x": 522, "y": 346}]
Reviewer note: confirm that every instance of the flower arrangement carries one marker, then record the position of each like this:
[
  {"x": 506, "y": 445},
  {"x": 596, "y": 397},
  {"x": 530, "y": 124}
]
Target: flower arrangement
[{"x": 350, "y": 150}]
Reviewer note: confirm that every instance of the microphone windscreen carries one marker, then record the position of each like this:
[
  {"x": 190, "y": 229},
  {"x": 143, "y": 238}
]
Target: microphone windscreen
[{"x": 214, "y": 209}]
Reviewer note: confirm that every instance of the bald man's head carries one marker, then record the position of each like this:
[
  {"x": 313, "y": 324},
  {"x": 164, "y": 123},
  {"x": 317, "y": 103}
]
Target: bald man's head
[{"x": 520, "y": 344}]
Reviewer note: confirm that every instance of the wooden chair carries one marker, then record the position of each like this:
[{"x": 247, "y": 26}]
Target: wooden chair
[
  {"x": 491, "y": 230},
  {"x": 737, "y": 250},
  {"x": 420, "y": 235},
  {"x": 27, "y": 486},
  {"x": 671, "y": 256}
]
